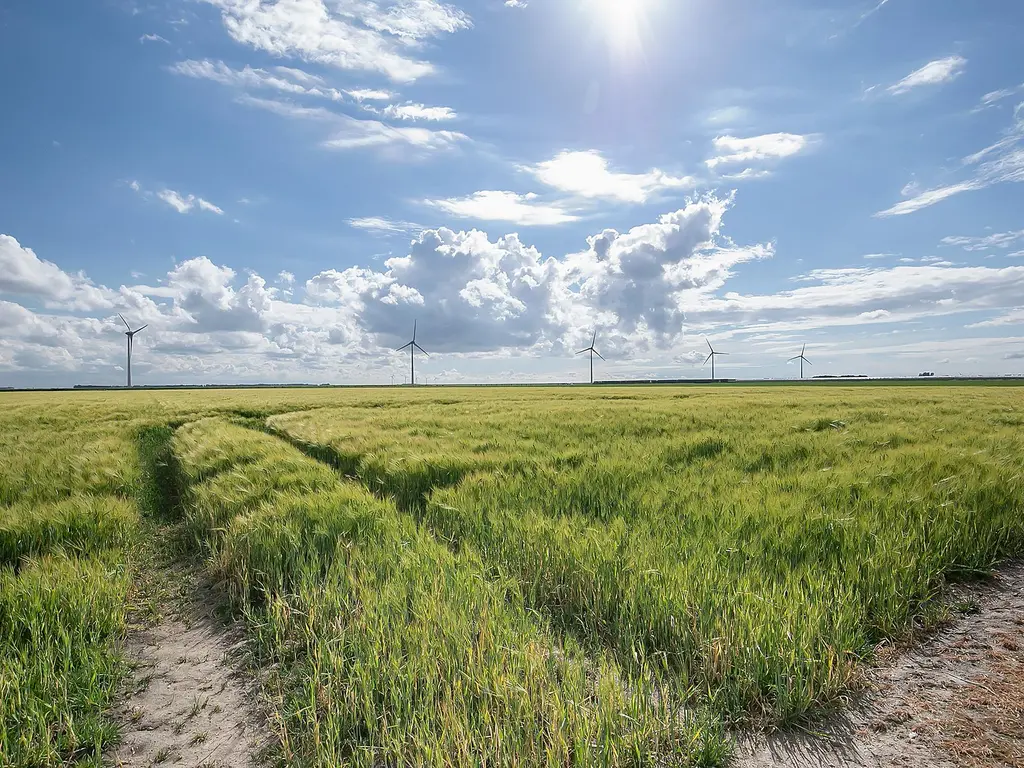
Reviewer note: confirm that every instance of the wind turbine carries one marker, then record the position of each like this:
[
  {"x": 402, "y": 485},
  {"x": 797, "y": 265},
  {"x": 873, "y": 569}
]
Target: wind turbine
[
  {"x": 802, "y": 360},
  {"x": 592, "y": 352},
  {"x": 712, "y": 357},
  {"x": 131, "y": 336},
  {"x": 412, "y": 346}
]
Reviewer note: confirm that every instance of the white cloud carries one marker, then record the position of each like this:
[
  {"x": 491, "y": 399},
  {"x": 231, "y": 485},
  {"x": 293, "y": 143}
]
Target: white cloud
[
  {"x": 288, "y": 109},
  {"x": 1002, "y": 161},
  {"x": 154, "y": 39},
  {"x": 418, "y": 112},
  {"x": 770, "y": 146},
  {"x": 725, "y": 116},
  {"x": 356, "y": 134},
  {"x": 204, "y": 292},
  {"x": 992, "y": 98},
  {"x": 351, "y": 133},
  {"x": 287, "y": 79},
  {"x": 185, "y": 203},
  {"x": 350, "y": 35},
  {"x": 927, "y": 198},
  {"x": 369, "y": 94},
  {"x": 206, "y": 205},
  {"x": 932, "y": 73},
  {"x": 474, "y": 294},
  {"x": 493, "y": 205},
  {"x": 649, "y": 288},
  {"x": 22, "y": 273},
  {"x": 851, "y": 296},
  {"x": 996, "y": 240},
  {"x": 748, "y": 173},
  {"x": 515, "y": 3},
  {"x": 383, "y": 225},
  {"x": 587, "y": 174}
]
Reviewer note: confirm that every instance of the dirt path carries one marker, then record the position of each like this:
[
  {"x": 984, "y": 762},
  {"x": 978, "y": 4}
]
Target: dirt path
[
  {"x": 957, "y": 700},
  {"x": 189, "y": 706}
]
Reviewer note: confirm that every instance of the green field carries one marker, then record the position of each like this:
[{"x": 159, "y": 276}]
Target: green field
[{"x": 572, "y": 576}]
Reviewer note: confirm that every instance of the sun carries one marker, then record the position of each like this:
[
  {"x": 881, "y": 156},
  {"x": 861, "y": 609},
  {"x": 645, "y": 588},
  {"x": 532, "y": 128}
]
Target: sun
[{"x": 620, "y": 21}]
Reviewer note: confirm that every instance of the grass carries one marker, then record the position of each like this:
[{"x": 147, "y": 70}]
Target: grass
[{"x": 498, "y": 577}]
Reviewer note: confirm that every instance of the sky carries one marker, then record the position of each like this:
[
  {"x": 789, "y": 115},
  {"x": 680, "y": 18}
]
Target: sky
[{"x": 279, "y": 189}]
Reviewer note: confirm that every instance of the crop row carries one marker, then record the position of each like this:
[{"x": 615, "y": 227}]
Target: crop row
[{"x": 392, "y": 649}]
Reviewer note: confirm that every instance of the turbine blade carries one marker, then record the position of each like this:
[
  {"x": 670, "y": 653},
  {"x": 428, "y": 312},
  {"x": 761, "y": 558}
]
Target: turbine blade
[
  {"x": 722, "y": 354},
  {"x": 709, "y": 346},
  {"x": 421, "y": 349},
  {"x": 414, "y": 331},
  {"x": 793, "y": 358},
  {"x": 708, "y": 358},
  {"x": 808, "y": 361},
  {"x": 405, "y": 347},
  {"x": 594, "y": 340},
  {"x": 142, "y": 328},
  {"x": 124, "y": 321},
  {"x": 804, "y": 349},
  {"x": 599, "y": 355},
  {"x": 582, "y": 351}
]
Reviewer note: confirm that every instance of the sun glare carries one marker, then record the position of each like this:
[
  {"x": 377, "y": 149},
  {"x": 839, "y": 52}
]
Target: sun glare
[{"x": 620, "y": 21}]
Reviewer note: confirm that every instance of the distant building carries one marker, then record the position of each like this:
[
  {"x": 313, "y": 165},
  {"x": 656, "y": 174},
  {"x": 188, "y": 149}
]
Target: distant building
[{"x": 927, "y": 373}]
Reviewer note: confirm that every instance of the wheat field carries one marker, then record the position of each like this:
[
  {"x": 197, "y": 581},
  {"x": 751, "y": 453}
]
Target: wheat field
[{"x": 497, "y": 576}]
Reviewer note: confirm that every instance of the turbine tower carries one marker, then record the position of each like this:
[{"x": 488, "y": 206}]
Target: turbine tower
[
  {"x": 802, "y": 360},
  {"x": 592, "y": 352},
  {"x": 412, "y": 346},
  {"x": 131, "y": 335},
  {"x": 712, "y": 357}
]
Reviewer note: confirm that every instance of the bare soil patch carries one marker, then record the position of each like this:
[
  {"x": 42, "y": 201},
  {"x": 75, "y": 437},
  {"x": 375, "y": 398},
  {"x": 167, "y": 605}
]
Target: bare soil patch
[
  {"x": 955, "y": 700},
  {"x": 190, "y": 705}
]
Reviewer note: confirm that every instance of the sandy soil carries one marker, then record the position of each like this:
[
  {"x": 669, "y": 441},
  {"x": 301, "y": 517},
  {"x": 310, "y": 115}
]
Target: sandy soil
[
  {"x": 190, "y": 706},
  {"x": 955, "y": 700}
]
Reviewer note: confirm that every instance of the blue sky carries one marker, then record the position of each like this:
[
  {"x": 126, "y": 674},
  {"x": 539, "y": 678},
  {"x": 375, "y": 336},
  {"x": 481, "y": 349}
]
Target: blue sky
[{"x": 279, "y": 189}]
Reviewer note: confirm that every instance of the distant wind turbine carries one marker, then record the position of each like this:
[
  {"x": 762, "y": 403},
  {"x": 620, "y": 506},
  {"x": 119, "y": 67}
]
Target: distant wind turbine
[
  {"x": 592, "y": 352},
  {"x": 802, "y": 360},
  {"x": 412, "y": 346},
  {"x": 712, "y": 357},
  {"x": 131, "y": 336}
]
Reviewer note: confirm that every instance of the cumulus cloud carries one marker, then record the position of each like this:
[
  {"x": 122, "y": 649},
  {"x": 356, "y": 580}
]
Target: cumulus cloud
[
  {"x": 22, "y": 273},
  {"x": 205, "y": 292},
  {"x": 357, "y": 36},
  {"x": 647, "y": 288},
  {"x": 587, "y": 174},
  {"x": 492, "y": 205},
  {"x": 933, "y": 73},
  {"x": 770, "y": 146},
  {"x": 474, "y": 294}
]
